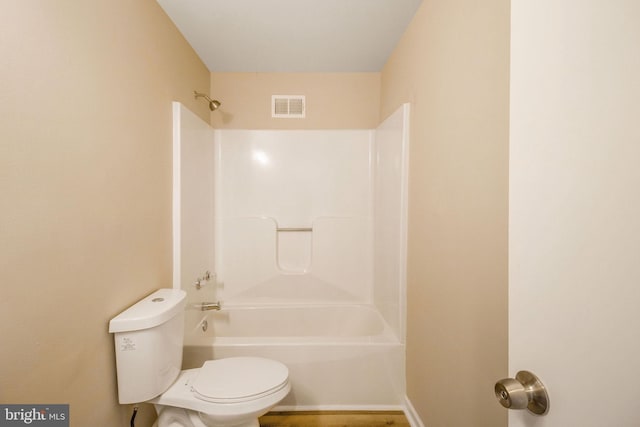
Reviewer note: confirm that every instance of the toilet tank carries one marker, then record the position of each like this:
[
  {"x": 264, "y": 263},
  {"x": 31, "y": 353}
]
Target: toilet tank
[{"x": 148, "y": 343}]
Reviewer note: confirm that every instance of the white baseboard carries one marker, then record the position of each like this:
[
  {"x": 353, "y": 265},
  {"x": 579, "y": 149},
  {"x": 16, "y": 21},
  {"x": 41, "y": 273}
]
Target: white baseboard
[{"x": 412, "y": 415}]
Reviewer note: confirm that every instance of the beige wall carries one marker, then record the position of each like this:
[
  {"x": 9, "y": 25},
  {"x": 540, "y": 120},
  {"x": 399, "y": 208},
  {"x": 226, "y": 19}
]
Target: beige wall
[
  {"x": 85, "y": 182},
  {"x": 452, "y": 64},
  {"x": 333, "y": 100}
]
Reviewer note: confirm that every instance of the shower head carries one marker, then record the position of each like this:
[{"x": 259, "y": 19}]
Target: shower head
[{"x": 213, "y": 103}]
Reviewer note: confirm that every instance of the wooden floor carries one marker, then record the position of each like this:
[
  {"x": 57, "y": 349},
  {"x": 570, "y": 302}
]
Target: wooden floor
[{"x": 334, "y": 419}]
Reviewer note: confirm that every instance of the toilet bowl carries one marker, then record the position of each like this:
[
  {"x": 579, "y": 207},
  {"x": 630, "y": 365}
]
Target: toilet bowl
[
  {"x": 225, "y": 392},
  {"x": 230, "y": 392}
]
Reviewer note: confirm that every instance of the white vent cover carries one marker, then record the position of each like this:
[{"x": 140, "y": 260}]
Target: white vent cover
[{"x": 288, "y": 106}]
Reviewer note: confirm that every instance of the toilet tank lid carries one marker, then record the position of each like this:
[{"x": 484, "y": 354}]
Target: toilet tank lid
[{"x": 151, "y": 311}]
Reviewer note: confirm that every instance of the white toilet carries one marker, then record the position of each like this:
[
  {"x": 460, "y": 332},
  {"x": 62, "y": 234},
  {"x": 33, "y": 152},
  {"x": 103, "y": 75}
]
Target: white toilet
[{"x": 230, "y": 392}]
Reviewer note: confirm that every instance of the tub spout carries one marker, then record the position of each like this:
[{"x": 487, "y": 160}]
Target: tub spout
[{"x": 205, "y": 306}]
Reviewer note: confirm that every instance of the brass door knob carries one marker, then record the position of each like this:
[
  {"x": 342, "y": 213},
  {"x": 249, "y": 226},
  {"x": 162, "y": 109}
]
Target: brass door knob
[{"x": 525, "y": 391}]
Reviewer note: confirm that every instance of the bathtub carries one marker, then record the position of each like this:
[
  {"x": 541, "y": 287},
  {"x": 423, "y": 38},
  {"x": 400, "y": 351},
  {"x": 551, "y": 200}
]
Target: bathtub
[{"x": 340, "y": 357}]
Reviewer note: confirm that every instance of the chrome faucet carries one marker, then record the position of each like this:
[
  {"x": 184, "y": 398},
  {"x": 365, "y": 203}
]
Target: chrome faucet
[{"x": 205, "y": 306}]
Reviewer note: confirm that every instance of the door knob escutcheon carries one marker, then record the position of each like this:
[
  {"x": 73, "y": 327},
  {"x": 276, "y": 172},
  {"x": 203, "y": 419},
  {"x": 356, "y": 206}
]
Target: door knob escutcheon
[{"x": 526, "y": 391}]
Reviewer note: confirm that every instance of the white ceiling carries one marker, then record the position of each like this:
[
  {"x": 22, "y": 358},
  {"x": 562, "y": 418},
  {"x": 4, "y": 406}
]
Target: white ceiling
[{"x": 292, "y": 35}]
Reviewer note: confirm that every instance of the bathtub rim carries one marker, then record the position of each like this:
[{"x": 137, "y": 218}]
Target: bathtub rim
[{"x": 192, "y": 337}]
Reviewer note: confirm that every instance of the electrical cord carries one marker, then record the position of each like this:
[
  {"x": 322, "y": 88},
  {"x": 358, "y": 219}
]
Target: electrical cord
[{"x": 133, "y": 416}]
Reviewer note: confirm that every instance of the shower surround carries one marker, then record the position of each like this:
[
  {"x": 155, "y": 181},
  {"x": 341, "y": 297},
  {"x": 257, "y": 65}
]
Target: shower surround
[
  {"x": 294, "y": 216},
  {"x": 303, "y": 231}
]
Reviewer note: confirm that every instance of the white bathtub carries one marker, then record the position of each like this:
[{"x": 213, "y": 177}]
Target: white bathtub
[{"x": 339, "y": 356}]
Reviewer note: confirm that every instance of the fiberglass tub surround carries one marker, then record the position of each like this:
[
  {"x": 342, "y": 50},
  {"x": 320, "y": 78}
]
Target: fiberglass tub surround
[
  {"x": 338, "y": 356},
  {"x": 304, "y": 235},
  {"x": 293, "y": 218}
]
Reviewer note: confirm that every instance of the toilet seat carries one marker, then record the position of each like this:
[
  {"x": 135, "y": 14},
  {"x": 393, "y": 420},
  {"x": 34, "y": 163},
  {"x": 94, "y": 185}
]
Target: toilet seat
[
  {"x": 239, "y": 379},
  {"x": 232, "y": 406}
]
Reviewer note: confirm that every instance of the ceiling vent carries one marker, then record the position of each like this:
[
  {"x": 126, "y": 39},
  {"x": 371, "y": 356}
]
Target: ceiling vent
[{"x": 288, "y": 106}]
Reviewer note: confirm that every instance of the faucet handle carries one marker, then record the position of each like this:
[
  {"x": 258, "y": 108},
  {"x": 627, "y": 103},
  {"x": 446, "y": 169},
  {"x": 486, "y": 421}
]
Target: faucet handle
[{"x": 205, "y": 278}]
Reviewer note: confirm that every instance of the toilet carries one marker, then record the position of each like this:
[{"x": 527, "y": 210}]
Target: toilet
[{"x": 231, "y": 392}]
